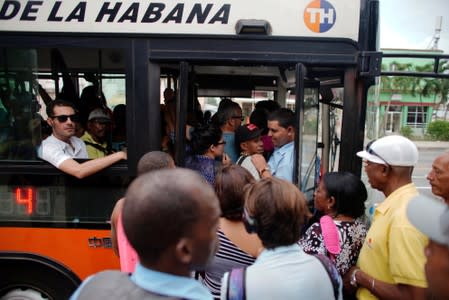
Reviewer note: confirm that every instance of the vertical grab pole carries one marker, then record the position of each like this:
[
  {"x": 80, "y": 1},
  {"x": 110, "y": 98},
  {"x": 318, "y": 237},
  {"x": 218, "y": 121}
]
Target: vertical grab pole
[
  {"x": 299, "y": 116},
  {"x": 181, "y": 111}
]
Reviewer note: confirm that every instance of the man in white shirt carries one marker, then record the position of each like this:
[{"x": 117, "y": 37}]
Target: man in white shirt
[{"x": 63, "y": 146}]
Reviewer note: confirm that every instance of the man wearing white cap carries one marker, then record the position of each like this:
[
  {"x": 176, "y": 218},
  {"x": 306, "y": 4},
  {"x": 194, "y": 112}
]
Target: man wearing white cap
[
  {"x": 391, "y": 262},
  {"x": 431, "y": 217}
]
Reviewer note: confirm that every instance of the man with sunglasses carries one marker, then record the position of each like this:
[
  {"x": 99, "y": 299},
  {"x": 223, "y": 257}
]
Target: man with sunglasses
[
  {"x": 63, "y": 146},
  {"x": 229, "y": 117},
  {"x": 391, "y": 262}
]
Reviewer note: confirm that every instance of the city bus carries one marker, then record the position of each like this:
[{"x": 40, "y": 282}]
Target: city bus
[{"x": 317, "y": 57}]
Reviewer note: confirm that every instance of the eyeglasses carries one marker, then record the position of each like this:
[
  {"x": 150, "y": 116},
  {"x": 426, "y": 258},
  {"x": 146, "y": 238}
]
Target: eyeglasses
[
  {"x": 64, "y": 118},
  {"x": 242, "y": 118},
  {"x": 221, "y": 143},
  {"x": 372, "y": 152}
]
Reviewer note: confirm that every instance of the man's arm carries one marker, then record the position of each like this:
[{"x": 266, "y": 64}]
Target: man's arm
[
  {"x": 81, "y": 170},
  {"x": 384, "y": 290},
  {"x": 114, "y": 219}
]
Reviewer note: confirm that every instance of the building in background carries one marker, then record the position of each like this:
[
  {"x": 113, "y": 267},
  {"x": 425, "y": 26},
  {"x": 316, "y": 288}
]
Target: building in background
[{"x": 400, "y": 104}]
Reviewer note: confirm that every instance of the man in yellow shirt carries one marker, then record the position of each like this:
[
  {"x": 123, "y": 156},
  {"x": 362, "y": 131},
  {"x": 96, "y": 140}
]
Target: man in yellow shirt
[
  {"x": 391, "y": 262},
  {"x": 95, "y": 135}
]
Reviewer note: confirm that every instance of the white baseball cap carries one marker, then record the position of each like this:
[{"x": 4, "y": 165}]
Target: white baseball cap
[
  {"x": 431, "y": 217},
  {"x": 393, "y": 150}
]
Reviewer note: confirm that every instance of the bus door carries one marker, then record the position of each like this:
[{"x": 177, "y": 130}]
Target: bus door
[
  {"x": 207, "y": 83},
  {"x": 306, "y": 139}
]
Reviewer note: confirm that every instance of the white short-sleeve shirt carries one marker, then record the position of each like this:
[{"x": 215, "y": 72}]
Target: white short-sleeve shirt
[{"x": 56, "y": 151}]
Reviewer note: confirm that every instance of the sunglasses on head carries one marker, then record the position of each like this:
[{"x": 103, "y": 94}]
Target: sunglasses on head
[
  {"x": 372, "y": 152},
  {"x": 64, "y": 118}
]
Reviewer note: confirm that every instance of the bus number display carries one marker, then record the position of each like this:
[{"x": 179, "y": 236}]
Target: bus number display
[{"x": 25, "y": 201}]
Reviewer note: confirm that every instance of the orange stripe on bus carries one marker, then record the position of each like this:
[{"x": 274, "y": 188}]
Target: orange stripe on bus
[{"x": 69, "y": 247}]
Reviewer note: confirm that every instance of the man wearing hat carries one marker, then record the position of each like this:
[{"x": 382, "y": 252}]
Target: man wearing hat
[
  {"x": 95, "y": 135},
  {"x": 249, "y": 144},
  {"x": 431, "y": 217},
  {"x": 391, "y": 262}
]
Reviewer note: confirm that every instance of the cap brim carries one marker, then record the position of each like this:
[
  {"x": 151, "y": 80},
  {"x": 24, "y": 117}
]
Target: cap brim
[
  {"x": 431, "y": 217},
  {"x": 253, "y": 135},
  {"x": 101, "y": 120},
  {"x": 369, "y": 157}
]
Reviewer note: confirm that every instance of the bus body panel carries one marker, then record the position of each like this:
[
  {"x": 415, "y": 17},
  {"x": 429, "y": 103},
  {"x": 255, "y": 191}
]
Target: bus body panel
[
  {"x": 65, "y": 246},
  {"x": 307, "y": 18}
]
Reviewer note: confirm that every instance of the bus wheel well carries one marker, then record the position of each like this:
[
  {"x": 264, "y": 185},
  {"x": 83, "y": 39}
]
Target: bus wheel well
[{"x": 32, "y": 274}]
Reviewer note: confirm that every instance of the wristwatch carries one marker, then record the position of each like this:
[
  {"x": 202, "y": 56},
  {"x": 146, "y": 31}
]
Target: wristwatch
[
  {"x": 263, "y": 170},
  {"x": 353, "y": 280}
]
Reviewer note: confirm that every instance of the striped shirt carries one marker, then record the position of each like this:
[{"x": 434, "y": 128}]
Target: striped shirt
[{"x": 228, "y": 257}]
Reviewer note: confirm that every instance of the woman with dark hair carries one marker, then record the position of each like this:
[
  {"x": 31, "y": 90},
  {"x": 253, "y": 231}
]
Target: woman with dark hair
[
  {"x": 276, "y": 210},
  {"x": 341, "y": 197},
  {"x": 237, "y": 247},
  {"x": 206, "y": 145}
]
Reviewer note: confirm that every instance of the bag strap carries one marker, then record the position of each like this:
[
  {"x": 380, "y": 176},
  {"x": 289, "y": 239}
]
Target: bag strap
[
  {"x": 106, "y": 151},
  {"x": 332, "y": 271},
  {"x": 241, "y": 160},
  {"x": 236, "y": 284}
]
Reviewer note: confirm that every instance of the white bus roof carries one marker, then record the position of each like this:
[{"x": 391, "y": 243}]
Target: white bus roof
[{"x": 301, "y": 18}]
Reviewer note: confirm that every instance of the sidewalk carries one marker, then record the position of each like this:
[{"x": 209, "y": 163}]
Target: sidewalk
[{"x": 432, "y": 145}]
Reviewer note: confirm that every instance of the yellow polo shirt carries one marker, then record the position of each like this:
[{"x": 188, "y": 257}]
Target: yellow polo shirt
[
  {"x": 93, "y": 152},
  {"x": 393, "y": 250}
]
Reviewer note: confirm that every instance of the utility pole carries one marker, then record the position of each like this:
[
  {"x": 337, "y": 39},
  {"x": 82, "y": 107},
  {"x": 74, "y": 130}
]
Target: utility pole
[{"x": 436, "y": 35}]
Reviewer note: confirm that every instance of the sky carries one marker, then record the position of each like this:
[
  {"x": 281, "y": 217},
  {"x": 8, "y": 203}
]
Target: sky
[{"x": 410, "y": 24}]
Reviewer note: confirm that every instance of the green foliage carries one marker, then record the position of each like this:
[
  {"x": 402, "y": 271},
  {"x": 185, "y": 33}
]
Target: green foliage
[
  {"x": 407, "y": 132},
  {"x": 439, "y": 130}
]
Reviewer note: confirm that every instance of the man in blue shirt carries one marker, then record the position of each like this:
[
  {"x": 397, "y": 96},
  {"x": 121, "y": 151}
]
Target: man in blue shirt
[
  {"x": 229, "y": 118},
  {"x": 281, "y": 128},
  {"x": 170, "y": 218}
]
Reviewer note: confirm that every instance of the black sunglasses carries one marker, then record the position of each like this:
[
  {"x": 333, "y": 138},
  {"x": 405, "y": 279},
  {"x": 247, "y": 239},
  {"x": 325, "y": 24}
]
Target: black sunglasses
[
  {"x": 221, "y": 143},
  {"x": 372, "y": 152},
  {"x": 242, "y": 118},
  {"x": 64, "y": 118}
]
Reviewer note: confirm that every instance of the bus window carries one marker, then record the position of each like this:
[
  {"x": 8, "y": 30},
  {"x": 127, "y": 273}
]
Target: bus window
[{"x": 30, "y": 78}]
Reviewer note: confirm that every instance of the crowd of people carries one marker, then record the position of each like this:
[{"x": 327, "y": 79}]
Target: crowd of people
[
  {"x": 242, "y": 237},
  {"x": 235, "y": 227}
]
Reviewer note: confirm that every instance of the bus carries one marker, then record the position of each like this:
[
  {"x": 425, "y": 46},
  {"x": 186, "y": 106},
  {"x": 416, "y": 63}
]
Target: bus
[{"x": 318, "y": 57}]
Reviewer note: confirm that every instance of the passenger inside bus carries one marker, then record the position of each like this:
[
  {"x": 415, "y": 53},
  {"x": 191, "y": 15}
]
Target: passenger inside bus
[
  {"x": 206, "y": 145},
  {"x": 20, "y": 125},
  {"x": 62, "y": 147},
  {"x": 95, "y": 137},
  {"x": 281, "y": 126},
  {"x": 229, "y": 118},
  {"x": 249, "y": 143},
  {"x": 118, "y": 136}
]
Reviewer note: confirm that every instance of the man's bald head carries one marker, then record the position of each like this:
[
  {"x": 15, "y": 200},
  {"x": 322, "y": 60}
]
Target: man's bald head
[
  {"x": 165, "y": 206},
  {"x": 154, "y": 160}
]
